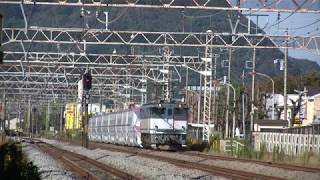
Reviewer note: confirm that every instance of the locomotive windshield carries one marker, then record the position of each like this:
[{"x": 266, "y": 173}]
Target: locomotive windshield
[
  {"x": 180, "y": 113},
  {"x": 164, "y": 112},
  {"x": 157, "y": 112}
]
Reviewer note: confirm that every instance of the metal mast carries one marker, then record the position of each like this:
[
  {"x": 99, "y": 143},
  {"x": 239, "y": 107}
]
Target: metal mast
[
  {"x": 166, "y": 91},
  {"x": 207, "y": 88}
]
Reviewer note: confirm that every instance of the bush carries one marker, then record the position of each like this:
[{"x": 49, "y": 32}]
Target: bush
[
  {"x": 195, "y": 144},
  {"x": 14, "y": 166},
  {"x": 69, "y": 134},
  {"x": 214, "y": 144}
]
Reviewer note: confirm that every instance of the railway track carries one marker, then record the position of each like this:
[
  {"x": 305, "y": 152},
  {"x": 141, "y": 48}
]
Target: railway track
[
  {"x": 265, "y": 163},
  {"x": 225, "y": 158},
  {"x": 85, "y": 167},
  {"x": 215, "y": 170}
]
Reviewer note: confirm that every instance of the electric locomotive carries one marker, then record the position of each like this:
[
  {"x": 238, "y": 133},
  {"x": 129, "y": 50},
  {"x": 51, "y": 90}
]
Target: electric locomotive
[{"x": 151, "y": 125}]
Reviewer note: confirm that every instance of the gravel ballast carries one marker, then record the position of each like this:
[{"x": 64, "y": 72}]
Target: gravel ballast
[
  {"x": 248, "y": 167},
  {"x": 48, "y": 167},
  {"x": 137, "y": 166}
]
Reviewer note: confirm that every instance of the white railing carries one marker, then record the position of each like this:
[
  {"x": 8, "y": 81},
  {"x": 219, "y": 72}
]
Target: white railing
[
  {"x": 293, "y": 144},
  {"x": 232, "y": 145}
]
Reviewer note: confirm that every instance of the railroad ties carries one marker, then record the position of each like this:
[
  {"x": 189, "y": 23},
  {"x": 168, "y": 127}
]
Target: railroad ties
[{"x": 83, "y": 166}]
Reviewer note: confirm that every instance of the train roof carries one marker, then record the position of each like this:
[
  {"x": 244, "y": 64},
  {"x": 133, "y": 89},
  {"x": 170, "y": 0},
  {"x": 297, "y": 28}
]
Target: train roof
[{"x": 164, "y": 105}]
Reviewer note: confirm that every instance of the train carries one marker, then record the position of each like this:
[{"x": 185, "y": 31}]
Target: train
[{"x": 147, "y": 126}]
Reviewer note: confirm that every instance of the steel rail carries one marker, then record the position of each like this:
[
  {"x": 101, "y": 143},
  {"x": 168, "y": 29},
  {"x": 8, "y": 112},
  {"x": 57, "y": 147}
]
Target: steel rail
[
  {"x": 271, "y": 164},
  {"x": 81, "y": 172},
  {"x": 215, "y": 170},
  {"x": 106, "y": 168}
]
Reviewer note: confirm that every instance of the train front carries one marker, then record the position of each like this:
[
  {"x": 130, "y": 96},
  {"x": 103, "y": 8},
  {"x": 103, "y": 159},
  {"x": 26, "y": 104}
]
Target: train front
[{"x": 164, "y": 125}]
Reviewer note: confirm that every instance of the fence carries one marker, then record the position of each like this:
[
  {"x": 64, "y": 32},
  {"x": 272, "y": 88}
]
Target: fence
[
  {"x": 291, "y": 144},
  {"x": 232, "y": 146}
]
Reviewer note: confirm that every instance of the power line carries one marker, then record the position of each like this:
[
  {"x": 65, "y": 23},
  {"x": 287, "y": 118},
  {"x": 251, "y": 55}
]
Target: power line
[
  {"x": 301, "y": 27},
  {"x": 291, "y": 14}
]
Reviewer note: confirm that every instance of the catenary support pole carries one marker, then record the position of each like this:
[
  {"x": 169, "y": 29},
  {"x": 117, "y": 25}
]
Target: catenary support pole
[
  {"x": 252, "y": 93},
  {"x": 61, "y": 118},
  {"x": 285, "y": 84},
  {"x": 3, "y": 118}
]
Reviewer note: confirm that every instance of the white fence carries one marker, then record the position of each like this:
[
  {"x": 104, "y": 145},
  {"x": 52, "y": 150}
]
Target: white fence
[{"x": 290, "y": 143}]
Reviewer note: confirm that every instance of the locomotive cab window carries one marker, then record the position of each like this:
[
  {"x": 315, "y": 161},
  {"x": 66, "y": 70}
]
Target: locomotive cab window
[
  {"x": 180, "y": 113},
  {"x": 157, "y": 112}
]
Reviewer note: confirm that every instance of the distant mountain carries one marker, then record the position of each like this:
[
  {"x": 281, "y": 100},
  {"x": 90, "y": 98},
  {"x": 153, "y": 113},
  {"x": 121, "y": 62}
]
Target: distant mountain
[
  {"x": 289, "y": 4},
  {"x": 139, "y": 19}
]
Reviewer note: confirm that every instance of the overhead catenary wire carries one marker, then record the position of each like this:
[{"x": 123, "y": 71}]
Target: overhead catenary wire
[{"x": 278, "y": 22}]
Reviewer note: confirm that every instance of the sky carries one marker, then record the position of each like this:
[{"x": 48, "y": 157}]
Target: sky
[{"x": 294, "y": 22}]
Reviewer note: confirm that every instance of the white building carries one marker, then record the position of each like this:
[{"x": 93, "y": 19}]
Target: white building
[
  {"x": 13, "y": 124},
  {"x": 308, "y": 114}
]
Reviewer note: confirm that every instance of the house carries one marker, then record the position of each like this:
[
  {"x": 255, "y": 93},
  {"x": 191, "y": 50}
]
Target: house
[
  {"x": 278, "y": 102},
  {"x": 308, "y": 109}
]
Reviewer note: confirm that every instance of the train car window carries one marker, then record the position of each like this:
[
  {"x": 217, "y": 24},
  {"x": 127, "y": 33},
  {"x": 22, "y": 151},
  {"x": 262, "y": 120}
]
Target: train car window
[
  {"x": 158, "y": 112},
  {"x": 180, "y": 113}
]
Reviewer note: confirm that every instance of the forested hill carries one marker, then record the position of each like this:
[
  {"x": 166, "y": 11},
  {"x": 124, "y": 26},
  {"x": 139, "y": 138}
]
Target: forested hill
[{"x": 139, "y": 19}]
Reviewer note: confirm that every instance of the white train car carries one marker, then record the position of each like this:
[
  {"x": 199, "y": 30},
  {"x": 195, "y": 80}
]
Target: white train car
[
  {"x": 150, "y": 125},
  {"x": 116, "y": 128}
]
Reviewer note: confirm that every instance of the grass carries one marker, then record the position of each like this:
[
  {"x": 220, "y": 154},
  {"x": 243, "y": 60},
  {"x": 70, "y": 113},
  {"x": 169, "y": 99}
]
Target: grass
[
  {"x": 248, "y": 152},
  {"x": 70, "y": 134}
]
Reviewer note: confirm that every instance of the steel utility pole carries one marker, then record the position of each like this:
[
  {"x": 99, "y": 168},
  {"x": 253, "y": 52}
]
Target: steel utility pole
[
  {"x": 87, "y": 84},
  {"x": 215, "y": 119},
  {"x": 29, "y": 117},
  {"x": 207, "y": 89},
  {"x": 3, "y": 118},
  {"x": 61, "y": 118},
  {"x": 252, "y": 92},
  {"x": 233, "y": 30},
  {"x": 85, "y": 140},
  {"x": 285, "y": 82},
  {"x": 243, "y": 108},
  {"x": 228, "y": 95},
  {"x": 48, "y": 116},
  {"x": 234, "y": 109}
]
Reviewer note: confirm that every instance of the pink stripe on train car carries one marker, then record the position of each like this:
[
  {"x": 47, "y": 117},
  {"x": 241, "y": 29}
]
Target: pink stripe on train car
[{"x": 180, "y": 119}]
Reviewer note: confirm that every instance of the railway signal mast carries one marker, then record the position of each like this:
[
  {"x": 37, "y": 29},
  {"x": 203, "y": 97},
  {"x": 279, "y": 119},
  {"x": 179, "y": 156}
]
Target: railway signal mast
[{"x": 87, "y": 85}]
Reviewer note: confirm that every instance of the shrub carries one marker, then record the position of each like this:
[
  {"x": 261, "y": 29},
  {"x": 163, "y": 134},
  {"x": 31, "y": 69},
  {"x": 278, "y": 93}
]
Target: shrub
[{"x": 13, "y": 165}]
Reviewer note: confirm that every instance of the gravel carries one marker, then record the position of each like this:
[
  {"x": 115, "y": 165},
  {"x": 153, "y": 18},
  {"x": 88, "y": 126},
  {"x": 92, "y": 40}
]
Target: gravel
[
  {"x": 248, "y": 167},
  {"x": 137, "y": 166},
  {"x": 48, "y": 167}
]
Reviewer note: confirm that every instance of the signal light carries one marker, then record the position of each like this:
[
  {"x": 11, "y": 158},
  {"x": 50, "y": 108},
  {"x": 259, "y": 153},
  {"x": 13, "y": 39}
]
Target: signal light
[{"x": 87, "y": 81}]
